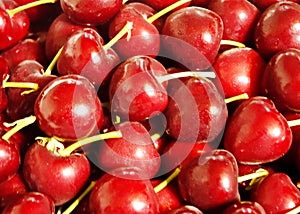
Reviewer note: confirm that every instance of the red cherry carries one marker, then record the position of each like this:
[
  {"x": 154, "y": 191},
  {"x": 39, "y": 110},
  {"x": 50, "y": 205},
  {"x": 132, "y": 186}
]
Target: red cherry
[
  {"x": 211, "y": 181},
  {"x": 9, "y": 160},
  {"x": 239, "y": 71},
  {"x": 198, "y": 43},
  {"x": 60, "y": 177},
  {"x": 135, "y": 93},
  {"x": 263, "y": 4},
  {"x": 281, "y": 81},
  {"x": 253, "y": 140},
  {"x": 134, "y": 194},
  {"x": 64, "y": 103},
  {"x": 90, "y": 12},
  {"x": 271, "y": 34},
  {"x": 245, "y": 207},
  {"x": 186, "y": 209},
  {"x": 239, "y": 19},
  {"x": 274, "y": 185},
  {"x": 31, "y": 203},
  {"x": 159, "y": 5}
]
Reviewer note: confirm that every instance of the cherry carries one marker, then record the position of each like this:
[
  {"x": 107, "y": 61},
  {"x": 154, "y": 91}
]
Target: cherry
[
  {"x": 60, "y": 177},
  {"x": 159, "y": 5},
  {"x": 13, "y": 27},
  {"x": 21, "y": 105},
  {"x": 64, "y": 103},
  {"x": 90, "y": 12},
  {"x": 9, "y": 160},
  {"x": 240, "y": 70},
  {"x": 281, "y": 81},
  {"x": 253, "y": 140},
  {"x": 134, "y": 91},
  {"x": 270, "y": 39},
  {"x": 200, "y": 3},
  {"x": 244, "y": 207},
  {"x": 134, "y": 193},
  {"x": 4, "y": 71},
  {"x": 200, "y": 42},
  {"x": 57, "y": 35},
  {"x": 263, "y": 4},
  {"x": 134, "y": 149},
  {"x": 210, "y": 181},
  {"x": 240, "y": 22},
  {"x": 267, "y": 192},
  {"x": 186, "y": 209},
  {"x": 196, "y": 110},
  {"x": 31, "y": 202}
]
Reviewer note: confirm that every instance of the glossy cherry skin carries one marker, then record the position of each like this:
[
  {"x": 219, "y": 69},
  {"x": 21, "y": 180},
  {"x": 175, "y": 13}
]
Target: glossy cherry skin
[
  {"x": 134, "y": 194},
  {"x": 27, "y": 49},
  {"x": 12, "y": 189},
  {"x": 4, "y": 70},
  {"x": 196, "y": 110},
  {"x": 68, "y": 108},
  {"x": 135, "y": 93},
  {"x": 20, "y": 106},
  {"x": 58, "y": 33},
  {"x": 253, "y": 140},
  {"x": 144, "y": 37},
  {"x": 281, "y": 81},
  {"x": 90, "y": 12},
  {"x": 272, "y": 35},
  {"x": 239, "y": 19},
  {"x": 12, "y": 29},
  {"x": 59, "y": 177},
  {"x": 209, "y": 182},
  {"x": 186, "y": 209},
  {"x": 274, "y": 185},
  {"x": 134, "y": 149},
  {"x": 244, "y": 207},
  {"x": 187, "y": 25},
  {"x": 83, "y": 54},
  {"x": 159, "y": 5},
  {"x": 31, "y": 203},
  {"x": 9, "y": 160},
  {"x": 239, "y": 71},
  {"x": 263, "y": 4}
]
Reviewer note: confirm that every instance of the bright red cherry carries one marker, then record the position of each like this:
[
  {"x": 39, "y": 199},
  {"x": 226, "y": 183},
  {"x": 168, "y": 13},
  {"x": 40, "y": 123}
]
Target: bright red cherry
[
  {"x": 68, "y": 108},
  {"x": 244, "y": 207}
]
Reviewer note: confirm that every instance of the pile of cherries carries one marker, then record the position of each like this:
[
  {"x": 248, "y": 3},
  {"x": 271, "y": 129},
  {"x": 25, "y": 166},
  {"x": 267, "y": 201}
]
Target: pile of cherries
[{"x": 149, "y": 106}]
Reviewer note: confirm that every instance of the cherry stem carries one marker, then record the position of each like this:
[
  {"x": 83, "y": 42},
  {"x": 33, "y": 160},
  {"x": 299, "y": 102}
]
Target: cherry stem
[
  {"x": 258, "y": 174},
  {"x": 28, "y": 85},
  {"x": 293, "y": 123},
  {"x": 53, "y": 62},
  {"x": 126, "y": 29},
  {"x": 166, "y": 10},
  {"x": 294, "y": 211},
  {"x": 67, "y": 151},
  {"x": 18, "y": 9},
  {"x": 164, "y": 183},
  {"x": 205, "y": 74},
  {"x": 18, "y": 125},
  {"x": 232, "y": 43},
  {"x": 238, "y": 97},
  {"x": 76, "y": 202},
  {"x": 124, "y": 1}
]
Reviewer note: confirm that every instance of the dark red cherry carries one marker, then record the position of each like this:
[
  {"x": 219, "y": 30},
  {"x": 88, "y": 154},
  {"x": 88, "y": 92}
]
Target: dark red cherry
[
  {"x": 244, "y": 207},
  {"x": 31, "y": 203},
  {"x": 186, "y": 209},
  {"x": 135, "y": 93},
  {"x": 239, "y": 19},
  {"x": 272, "y": 34},
  {"x": 210, "y": 181},
  {"x": 4, "y": 71},
  {"x": 9, "y": 160},
  {"x": 90, "y": 12},
  {"x": 134, "y": 194},
  {"x": 60, "y": 177},
  {"x": 281, "y": 81},
  {"x": 192, "y": 42},
  {"x": 263, "y": 4},
  {"x": 22, "y": 105},
  {"x": 83, "y": 54},
  {"x": 239, "y": 71},
  {"x": 12, "y": 29},
  {"x": 134, "y": 149},
  {"x": 254, "y": 140},
  {"x": 68, "y": 108},
  {"x": 268, "y": 191},
  {"x": 196, "y": 110}
]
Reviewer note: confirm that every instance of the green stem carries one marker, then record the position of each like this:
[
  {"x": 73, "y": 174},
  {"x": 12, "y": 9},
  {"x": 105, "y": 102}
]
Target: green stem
[
  {"x": 258, "y": 174},
  {"x": 205, "y": 74},
  {"x": 67, "y": 151},
  {"x": 238, "y": 97},
  {"x": 293, "y": 123},
  {"x": 164, "y": 183},
  {"x": 232, "y": 43},
  {"x": 294, "y": 211},
  {"x": 53, "y": 62}
]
